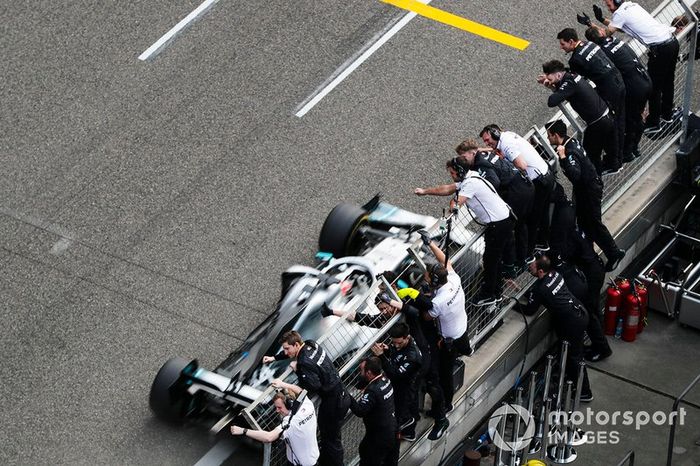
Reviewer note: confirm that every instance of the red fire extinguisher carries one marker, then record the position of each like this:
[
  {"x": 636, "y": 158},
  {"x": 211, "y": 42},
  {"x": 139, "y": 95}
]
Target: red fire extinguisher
[
  {"x": 630, "y": 309},
  {"x": 624, "y": 285},
  {"x": 613, "y": 305},
  {"x": 643, "y": 295}
]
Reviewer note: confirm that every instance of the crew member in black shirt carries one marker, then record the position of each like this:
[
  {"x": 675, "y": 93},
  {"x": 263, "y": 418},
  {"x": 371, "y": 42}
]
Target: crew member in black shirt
[
  {"x": 600, "y": 130},
  {"x": 424, "y": 332},
  {"x": 587, "y": 190},
  {"x": 317, "y": 375},
  {"x": 569, "y": 316},
  {"x": 583, "y": 271},
  {"x": 637, "y": 86},
  {"x": 515, "y": 188},
  {"x": 376, "y": 408},
  {"x": 580, "y": 253},
  {"x": 663, "y": 48},
  {"x": 589, "y": 61},
  {"x": 401, "y": 362}
]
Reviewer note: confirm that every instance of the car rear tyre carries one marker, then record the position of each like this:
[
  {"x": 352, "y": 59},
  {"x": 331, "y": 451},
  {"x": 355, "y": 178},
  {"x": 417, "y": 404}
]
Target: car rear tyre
[
  {"x": 169, "y": 399},
  {"x": 340, "y": 232}
]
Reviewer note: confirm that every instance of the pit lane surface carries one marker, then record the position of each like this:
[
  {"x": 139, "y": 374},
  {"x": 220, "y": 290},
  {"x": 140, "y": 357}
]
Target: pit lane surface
[{"x": 148, "y": 208}]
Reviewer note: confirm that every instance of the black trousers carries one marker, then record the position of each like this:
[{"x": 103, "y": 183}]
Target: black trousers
[
  {"x": 662, "y": 69},
  {"x": 433, "y": 383},
  {"x": 538, "y": 223},
  {"x": 331, "y": 414},
  {"x": 594, "y": 270},
  {"x": 449, "y": 352},
  {"x": 519, "y": 195},
  {"x": 579, "y": 287},
  {"x": 588, "y": 213},
  {"x": 613, "y": 93},
  {"x": 600, "y": 136},
  {"x": 406, "y": 401},
  {"x": 448, "y": 356},
  {"x": 637, "y": 94},
  {"x": 496, "y": 238},
  {"x": 379, "y": 449},
  {"x": 563, "y": 223},
  {"x": 595, "y": 277},
  {"x": 570, "y": 325}
]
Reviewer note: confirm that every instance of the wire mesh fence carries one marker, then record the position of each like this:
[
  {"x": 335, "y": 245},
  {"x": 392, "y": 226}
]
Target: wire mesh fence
[
  {"x": 463, "y": 241},
  {"x": 349, "y": 348},
  {"x": 653, "y": 146}
]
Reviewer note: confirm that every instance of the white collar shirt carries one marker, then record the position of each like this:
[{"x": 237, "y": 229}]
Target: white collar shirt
[
  {"x": 448, "y": 307},
  {"x": 300, "y": 436},
  {"x": 638, "y": 23},
  {"x": 483, "y": 200},
  {"x": 512, "y": 145}
]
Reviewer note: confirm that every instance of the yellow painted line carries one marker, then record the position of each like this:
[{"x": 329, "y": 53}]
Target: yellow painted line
[{"x": 461, "y": 23}]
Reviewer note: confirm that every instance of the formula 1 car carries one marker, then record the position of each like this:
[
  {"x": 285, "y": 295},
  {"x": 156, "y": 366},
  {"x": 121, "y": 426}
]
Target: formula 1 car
[{"x": 356, "y": 244}]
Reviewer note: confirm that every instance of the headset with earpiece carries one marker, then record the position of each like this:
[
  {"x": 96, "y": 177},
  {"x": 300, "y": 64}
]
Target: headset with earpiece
[
  {"x": 434, "y": 276},
  {"x": 461, "y": 171},
  {"x": 291, "y": 403},
  {"x": 618, "y": 2},
  {"x": 495, "y": 132}
]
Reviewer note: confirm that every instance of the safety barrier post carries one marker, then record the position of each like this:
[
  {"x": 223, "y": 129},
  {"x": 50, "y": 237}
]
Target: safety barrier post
[{"x": 688, "y": 91}]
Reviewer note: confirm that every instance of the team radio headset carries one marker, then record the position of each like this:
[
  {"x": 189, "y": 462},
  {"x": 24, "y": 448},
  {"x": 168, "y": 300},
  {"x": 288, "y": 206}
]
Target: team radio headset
[
  {"x": 495, "y": 132},
  {"x": 292, "y": 406},
  {"x": 434, "y": 277}
]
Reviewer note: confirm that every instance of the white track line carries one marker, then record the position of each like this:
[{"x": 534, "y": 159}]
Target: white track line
[
  {"x": 218, "y": 453},
  {"x": 161, "y": 43},
  {"x": 349, "y": 66}
]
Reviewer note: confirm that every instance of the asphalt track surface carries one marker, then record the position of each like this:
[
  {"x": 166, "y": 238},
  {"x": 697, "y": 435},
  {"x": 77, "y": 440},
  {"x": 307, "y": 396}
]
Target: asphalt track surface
[{"x": 148, "y": 208}]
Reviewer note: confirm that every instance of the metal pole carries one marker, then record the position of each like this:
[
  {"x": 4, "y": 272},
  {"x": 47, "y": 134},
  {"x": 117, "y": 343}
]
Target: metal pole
[
  {"x": 688, "y": 90},
  {"x": 547, "y": 380},
  {"x": 561, "y": 446},
  {"x": 547, "y": 411},
  {"x": 447, "y": 235},
  {"x": 579, "y": 383},
  {"x": 578, "y": 435},
  {"x": 572, "y": 119},
  {"x": 502, "y": 433},
  {"x": 516, "y": 427},
  {"x": 674, "y": 415},
  {"x": 568, "y": 448},
  {"x": 544, "y": 142},
  {"x": 563, "y": 452},
  {"x": 564, "y": 355},
  {"x": 531, "y": 408},
  {"x": 531, "y": 392},
  {"x": 628, "y": 457}
]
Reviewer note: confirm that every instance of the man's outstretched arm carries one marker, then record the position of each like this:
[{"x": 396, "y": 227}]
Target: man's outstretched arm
[{"x": 441, "y": 190}]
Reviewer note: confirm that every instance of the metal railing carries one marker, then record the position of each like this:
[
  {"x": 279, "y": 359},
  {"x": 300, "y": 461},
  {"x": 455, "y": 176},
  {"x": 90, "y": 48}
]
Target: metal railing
[
  {"x": 653, "y": 147},
  {"x": 353, "y": 346},
  {"x": 465, "y": 247},
  {"x": 628, "y": 460},
  {"x": 467, "y": 241},
  {"x": 674, "y": 416}
]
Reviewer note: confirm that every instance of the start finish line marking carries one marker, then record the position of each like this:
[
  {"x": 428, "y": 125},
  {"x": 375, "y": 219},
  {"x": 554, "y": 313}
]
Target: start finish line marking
[{"x": 450, "y": 19}]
